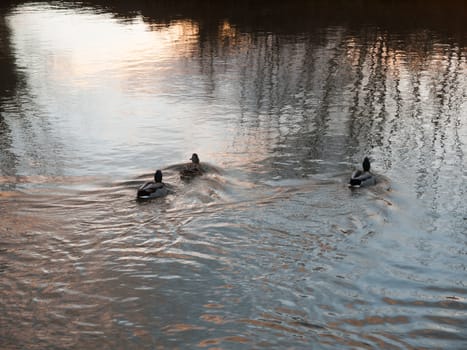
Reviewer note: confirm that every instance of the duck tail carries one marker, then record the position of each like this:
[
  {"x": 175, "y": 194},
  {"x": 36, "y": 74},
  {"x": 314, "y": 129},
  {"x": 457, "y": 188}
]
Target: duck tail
[{"x": 355, "y": 182}]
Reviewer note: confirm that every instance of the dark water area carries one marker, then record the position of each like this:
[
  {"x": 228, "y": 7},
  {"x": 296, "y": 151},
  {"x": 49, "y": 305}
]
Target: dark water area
[{"x": 270, "y": 248}]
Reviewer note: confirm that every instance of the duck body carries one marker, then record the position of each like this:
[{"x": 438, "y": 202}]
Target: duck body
[
  {"x": 363, "y": 178},
  {"x": 153, "y": 189},
  {"x": 191, "y": 170}
]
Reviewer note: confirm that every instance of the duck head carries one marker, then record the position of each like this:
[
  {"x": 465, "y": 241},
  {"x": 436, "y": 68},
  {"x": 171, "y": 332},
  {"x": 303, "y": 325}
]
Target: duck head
[
  {"x": 366, "y": 164},
  {"x": 158, "y": 176},
  {"x": 194, "y": 158}
]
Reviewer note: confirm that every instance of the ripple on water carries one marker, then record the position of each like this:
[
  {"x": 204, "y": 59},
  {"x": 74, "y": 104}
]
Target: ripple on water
[
  {"x": 316, "y": 276},
  {"x": 274, "y": 250}
]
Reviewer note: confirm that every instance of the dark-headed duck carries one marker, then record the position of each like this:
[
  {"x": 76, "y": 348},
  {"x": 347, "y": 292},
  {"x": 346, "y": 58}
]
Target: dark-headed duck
[
  {"x": 362, "y": 178},
  {"x": 153, "y": 189}
]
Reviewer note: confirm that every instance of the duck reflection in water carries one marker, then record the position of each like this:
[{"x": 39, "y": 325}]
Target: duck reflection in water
[
  {"x": 191, "y": 170},
  {"x": 153, "y": 189},
  {"x": 363, "y": 178}
]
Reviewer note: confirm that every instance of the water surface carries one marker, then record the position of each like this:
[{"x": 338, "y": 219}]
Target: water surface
[{"x": 270, "y": 249}]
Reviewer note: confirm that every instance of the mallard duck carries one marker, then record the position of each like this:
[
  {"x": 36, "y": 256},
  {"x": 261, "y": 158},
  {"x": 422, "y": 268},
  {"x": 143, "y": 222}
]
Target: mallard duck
[
  {"x": 192, "y": 169},
  {"x": 363, "y": 178},
  {"x": 153, "y": 189}
]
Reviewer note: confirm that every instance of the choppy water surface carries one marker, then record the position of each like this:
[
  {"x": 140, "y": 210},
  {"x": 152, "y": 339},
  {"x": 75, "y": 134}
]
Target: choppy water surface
[{"x": 270, "y": 249}]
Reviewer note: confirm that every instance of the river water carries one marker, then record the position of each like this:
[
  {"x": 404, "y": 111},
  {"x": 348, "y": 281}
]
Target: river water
[{"x": 270, "y": 248}]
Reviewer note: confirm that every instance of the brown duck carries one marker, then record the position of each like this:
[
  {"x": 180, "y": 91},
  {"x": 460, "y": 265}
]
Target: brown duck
[{"x": 191, "y": 170}]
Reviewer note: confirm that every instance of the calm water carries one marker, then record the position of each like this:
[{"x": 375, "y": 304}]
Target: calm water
[{"x": 268, "y": 250}]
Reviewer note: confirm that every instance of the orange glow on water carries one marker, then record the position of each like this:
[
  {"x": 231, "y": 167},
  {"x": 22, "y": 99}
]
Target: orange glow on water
[{"x": 80, "y": 46}]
